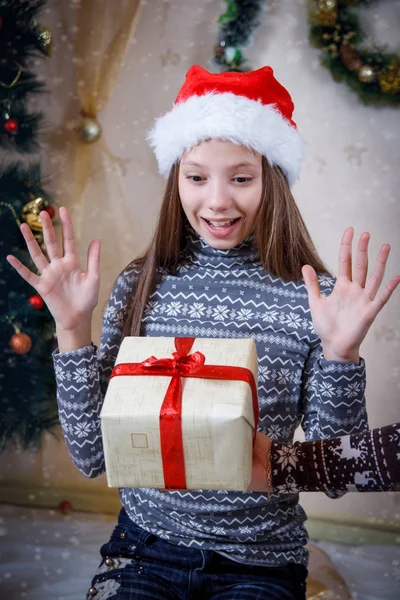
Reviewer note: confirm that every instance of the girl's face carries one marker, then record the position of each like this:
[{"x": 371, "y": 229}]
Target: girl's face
[{"x": 220, "y": 186}]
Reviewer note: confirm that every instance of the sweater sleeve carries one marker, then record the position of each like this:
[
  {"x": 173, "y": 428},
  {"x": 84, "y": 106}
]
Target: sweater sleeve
[
  {"x": 364, "y": 462},
  {"x": 332, "y": 395},
  {"x": 82, "y": 378}
]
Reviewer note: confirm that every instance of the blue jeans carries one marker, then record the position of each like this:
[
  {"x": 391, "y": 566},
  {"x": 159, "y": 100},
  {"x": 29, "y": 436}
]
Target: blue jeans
[{"x": 138, "y": 565}]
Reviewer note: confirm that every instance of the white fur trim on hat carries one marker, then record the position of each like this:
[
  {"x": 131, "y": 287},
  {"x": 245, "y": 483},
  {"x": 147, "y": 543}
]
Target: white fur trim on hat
[{"x": 229, "y": 117}]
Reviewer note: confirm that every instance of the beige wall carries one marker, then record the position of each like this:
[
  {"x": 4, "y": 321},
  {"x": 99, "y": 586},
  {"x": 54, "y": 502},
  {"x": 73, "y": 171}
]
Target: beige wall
[{"x": 350, "y": 174}]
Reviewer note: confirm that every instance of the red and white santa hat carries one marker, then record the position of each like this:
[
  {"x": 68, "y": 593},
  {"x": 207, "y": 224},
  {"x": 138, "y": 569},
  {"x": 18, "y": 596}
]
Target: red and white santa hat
[{"x": 252, "y": 109}]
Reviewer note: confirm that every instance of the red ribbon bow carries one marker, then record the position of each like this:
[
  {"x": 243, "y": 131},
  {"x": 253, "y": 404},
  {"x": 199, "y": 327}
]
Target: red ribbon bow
[{"x": 181, "y": 365}]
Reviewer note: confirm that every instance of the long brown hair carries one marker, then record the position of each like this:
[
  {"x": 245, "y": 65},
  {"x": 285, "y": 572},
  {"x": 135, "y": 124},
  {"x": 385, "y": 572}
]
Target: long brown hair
[{"x": 281, "y": 240}]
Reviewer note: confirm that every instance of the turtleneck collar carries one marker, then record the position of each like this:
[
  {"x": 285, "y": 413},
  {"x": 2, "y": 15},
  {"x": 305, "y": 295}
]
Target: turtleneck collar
[{"x": 198, "y": 252}]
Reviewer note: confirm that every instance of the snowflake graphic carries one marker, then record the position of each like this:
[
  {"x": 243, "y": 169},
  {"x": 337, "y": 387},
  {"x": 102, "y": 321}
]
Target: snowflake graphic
[
  {"x": 196, "y": 310},
  {"x": 289, "y": 487},
  {"x": 80, "y": 375},
  {"x": 270, "y": 316},
  {"x": 327, "y": 389},
  {"x": 220, "y": 312},
  {"x": 287, "y": 457},
  {"x": 245, "y": 529},
  {"x": 353, "y": 389},
  {"x": 325, "y": 281},
  {"x": 60, "y": 373},
  {"x": 151, "y": 306},
  {"x": 275, "y": 432},
  {"x": 218, "y": 531},
  {"x": 284, "y": 376},
  {"x": 263, "y": 373},
  {"x": 173, "y": 309},
  {"x": 92, "y": 371},
  {"x": 109, "y": 312},
  {"x": 82, "y": 429},
  {"x": 244, "y": 314},
  {"x": 293, "y": 320}
]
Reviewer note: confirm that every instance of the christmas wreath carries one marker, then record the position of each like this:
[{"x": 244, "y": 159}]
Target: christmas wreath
[{"x": 371, "y": 72}]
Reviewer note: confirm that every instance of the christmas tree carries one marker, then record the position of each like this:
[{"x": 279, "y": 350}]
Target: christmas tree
[{"x": 27, "y": 331}]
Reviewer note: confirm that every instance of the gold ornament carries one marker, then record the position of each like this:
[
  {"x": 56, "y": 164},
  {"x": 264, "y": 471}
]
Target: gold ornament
[
  {"x": 366, "y": 74},
  {"x": 389, "y": 79},
  {"x": 45, "y": 39},
  {"x": 20, "y": 343},
  {"x": 30, "y": 214},
  {"x": 325, "y": 13},
  {"x": 89, "y": 130}
]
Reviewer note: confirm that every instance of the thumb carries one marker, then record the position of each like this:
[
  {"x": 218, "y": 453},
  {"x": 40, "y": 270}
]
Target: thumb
[{"x": 311, "y": 282}]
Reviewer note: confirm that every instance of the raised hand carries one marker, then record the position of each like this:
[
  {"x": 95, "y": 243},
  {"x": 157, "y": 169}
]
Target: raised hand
[
  {"x": 343, "y": 318},
  {"x": 70, "y": 293}
]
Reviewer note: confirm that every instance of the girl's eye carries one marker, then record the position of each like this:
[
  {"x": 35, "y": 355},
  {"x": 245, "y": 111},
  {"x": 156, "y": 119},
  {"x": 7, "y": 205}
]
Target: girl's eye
[
  {"x": 195, "y": 178},
  {"x": 242, "y": 179}
]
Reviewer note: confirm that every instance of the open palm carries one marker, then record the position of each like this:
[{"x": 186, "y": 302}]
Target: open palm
[
  {"x": 343, "y": 318},
  {"x": 70, "y": 292}
]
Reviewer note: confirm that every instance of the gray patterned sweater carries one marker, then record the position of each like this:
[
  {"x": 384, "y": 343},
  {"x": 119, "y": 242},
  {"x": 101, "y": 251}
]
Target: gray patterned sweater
[{"x": 222, "y": 294}]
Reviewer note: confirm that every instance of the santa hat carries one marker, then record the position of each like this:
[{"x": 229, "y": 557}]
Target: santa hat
[{"x": 252, "y": 109}]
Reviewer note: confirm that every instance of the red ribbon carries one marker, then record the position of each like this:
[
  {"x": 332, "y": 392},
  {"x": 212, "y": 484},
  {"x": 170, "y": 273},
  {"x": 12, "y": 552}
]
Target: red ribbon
[{"x": 181, "y": 365}]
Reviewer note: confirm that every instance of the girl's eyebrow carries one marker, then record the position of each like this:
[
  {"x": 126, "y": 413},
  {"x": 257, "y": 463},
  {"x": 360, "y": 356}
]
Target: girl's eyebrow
[{"x": 240, "y": 165}]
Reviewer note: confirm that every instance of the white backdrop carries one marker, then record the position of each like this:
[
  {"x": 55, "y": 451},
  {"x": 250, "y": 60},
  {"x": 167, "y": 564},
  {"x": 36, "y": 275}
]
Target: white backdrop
[{"x": 349, "y": 177}]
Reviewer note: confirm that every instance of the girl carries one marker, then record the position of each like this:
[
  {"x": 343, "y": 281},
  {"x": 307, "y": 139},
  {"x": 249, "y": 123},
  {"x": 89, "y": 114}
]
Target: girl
[{"x": 230, "y": 257}]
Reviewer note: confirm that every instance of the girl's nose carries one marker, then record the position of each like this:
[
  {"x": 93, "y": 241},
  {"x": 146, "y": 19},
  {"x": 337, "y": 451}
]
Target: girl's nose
[{"x": 219, "y": 198}]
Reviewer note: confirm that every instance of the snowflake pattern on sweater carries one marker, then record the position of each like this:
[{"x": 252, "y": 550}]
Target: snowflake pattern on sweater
[{"x": 222, "y": 294}]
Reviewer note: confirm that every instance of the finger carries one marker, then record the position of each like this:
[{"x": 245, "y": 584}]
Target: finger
[
  {"x": 385, "y": 294},
  {"x": 345, "y": 254},
  {"x": 378, "y": 272},
  {"x": 37, "y": 256},
  {"x": 360, "y": 269},
  {"x": 49, "y": 236},
  {"x": 93, "y": 258},
  {"x": 68, "y": 234},
  {"x": 312, "y": 284},
  {"x": 25, "y": 273}
]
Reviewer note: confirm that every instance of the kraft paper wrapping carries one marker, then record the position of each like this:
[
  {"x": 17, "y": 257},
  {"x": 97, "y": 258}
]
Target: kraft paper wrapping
[{"x": 217, "y": 418}]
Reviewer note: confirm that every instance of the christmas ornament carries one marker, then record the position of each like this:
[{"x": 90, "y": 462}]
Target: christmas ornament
[
  {"x": 237, "y": 26},
  {"x": 11, "y": 126},
  {"x": 325, "y": 13},
  {"x": 65, "y": 506},
  {"x": 89, "y": 130},
  {"x": 20, "y": 342},
  {"x": 36, "y": 302},
  {"x": 50, "y": 210},
  {"x": 350, "y": 57},
  {"x": 336, "y": 29},
  {"x": 45, "y": 39},
  {"x": 30, "y": 213},
  {"x": 389, "y": 79},
  {"x": 366, "y": 74}
]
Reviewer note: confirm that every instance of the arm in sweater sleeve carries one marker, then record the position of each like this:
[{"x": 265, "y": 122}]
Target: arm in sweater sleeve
[
  {"x": 361, "y": 462},
  {"x": 82, "y": 378},
  {"x": 332, "y": 393},
  {"x": 333, "y": 399}
]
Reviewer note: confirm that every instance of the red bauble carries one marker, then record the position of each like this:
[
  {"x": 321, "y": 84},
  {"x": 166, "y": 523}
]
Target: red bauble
[
  {"x": 11, "y": 126},
  {"x": 36, "y": 302},
  {"x": 50, "y": 210},
  {"x": 65, "y": 506},
  {"x": 21, "y": 343}
]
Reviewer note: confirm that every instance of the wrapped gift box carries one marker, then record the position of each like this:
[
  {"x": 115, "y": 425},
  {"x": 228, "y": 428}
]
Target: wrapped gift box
[{"x": 217, "y": 418}]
